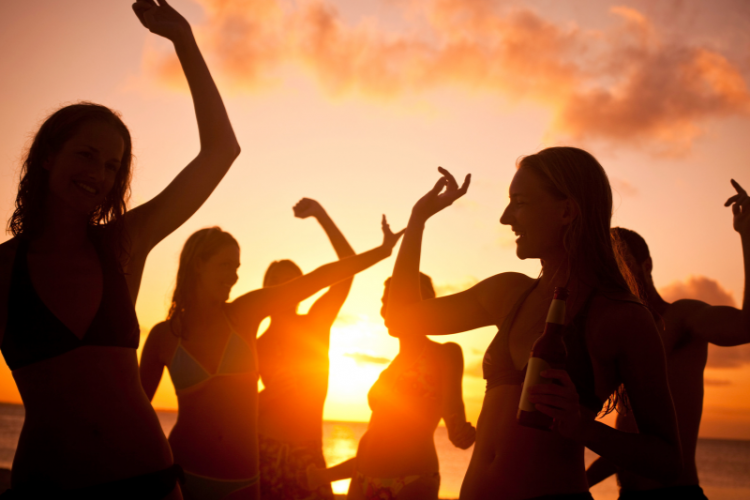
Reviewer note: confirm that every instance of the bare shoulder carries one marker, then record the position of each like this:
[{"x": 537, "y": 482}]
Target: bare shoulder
[
  {"x": 450, "y": 352},
  {"x": 501, "y": 287},
  {"x": 619, "y": 320},
  {"x": 162, "y": 338}
]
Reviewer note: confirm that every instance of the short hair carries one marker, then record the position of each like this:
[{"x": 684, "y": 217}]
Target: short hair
[
  {"x": 425, "y": 286},
  {"x": 270, "y": 278}
]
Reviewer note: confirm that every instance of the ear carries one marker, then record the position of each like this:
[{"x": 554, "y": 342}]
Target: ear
[{"x": 570, "y": 211}]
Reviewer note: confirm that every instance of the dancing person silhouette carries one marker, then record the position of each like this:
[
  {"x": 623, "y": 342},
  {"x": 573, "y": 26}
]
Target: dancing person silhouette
[
  {"x": 396, "y": 458},
  {"x": 687, "y": 326},
  {"x": 293, "y": 364},
  {"x": 208, "y": 345},
  {"x": 560, "y": 209},
  {"x": 69, "y": 279}
]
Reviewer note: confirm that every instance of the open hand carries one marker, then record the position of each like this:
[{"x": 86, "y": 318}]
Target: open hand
[
  {"x": 437, "y": 199},
  {"x": 389, "y": 237},
  {"x": 561, "y": 403},
  {"x": 161, "y": 19},
  {"x": 307, "y": 208},
  {"x": 740, "y": 208}
]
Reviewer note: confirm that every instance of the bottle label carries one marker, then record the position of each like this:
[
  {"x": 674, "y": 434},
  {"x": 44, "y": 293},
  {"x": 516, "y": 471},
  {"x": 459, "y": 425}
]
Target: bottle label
[
  {"x": 533, "y": 370},
  {"x": 556, "y": 312}
]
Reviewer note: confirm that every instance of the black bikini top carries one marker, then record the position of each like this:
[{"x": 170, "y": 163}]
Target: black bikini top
[
  {"x": 33, "y": 333},
  {"x": 498, "y": 367}
]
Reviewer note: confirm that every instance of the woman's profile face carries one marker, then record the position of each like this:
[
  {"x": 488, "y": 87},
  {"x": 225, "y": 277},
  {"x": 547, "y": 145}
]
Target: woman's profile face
[
  {"x": 83, "y": 172},
  {"x": 535, "y": 215},
  {"x": 218, "y": 274}
]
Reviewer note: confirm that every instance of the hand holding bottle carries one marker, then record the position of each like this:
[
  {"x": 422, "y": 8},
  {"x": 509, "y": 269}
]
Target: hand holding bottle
[{"x": 560, "y": 402}]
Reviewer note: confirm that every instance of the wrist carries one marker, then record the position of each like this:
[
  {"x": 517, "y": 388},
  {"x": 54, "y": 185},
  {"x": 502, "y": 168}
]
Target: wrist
[
  {"x": 417, "y": 221},
  {"x": 185, "y": 40}
]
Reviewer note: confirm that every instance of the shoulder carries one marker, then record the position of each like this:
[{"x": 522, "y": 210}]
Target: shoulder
[
  {"x": 161, "y": 337},
  {"x": 618, "y": 321},
  {"x": 449, "y": 354},
  {"x": 8, "y": 251},
  {"x": 503, "y": 285}
]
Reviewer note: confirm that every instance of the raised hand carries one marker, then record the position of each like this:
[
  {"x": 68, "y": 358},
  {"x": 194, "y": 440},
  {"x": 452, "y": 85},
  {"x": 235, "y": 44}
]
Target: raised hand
[
  {"x": 437, "y": 198},
  {"x": 161, "y": 19},
  {"x": 307, "y": 208},
  {"x": 389, "y": 237},
  {"x": 740, "y": 208}
]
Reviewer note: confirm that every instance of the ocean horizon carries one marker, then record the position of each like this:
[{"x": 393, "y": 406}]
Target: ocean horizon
[{"x": 723, "y": 464}]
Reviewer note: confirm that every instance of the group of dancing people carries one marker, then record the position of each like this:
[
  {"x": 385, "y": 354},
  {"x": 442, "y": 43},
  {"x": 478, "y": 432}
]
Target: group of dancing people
[{"x": 70, "y": 276}]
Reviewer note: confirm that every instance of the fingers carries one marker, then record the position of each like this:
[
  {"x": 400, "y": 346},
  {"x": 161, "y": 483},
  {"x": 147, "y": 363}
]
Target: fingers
[
  {"x": 452, "y": 184},
  {"x": 465, "y": 185},
  {"x": 560, "y": 375},
  {"x": 731, "y": 200},
  {"x": 739, "y": 188}
]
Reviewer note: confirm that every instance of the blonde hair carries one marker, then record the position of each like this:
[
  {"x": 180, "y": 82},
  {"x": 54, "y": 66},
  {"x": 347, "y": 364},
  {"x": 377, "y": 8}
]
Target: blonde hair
[{"x": 202, "y": 244}]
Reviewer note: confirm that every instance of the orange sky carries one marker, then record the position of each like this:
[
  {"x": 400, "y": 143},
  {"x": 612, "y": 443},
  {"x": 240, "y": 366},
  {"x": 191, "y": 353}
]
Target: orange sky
[{"x": 354, "y": 103}]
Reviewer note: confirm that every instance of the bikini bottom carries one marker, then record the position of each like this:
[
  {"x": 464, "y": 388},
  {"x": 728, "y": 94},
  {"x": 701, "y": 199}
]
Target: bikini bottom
[
  {"x": 198, "y": 487},
  {"x": 688, "y": 492},
  {"x": 566, "y": 496},
  {"x": 388, "y": 488},
  {"x": 152, "y": 486},
  {"x": 283, "y": 469}
]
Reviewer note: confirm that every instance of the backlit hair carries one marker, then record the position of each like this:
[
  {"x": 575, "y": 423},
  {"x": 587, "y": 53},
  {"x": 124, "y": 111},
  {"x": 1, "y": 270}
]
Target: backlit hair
[
  {"x": 271, "y": 278},
  {"x": 56, "y": 130},
  {"x": 202, "y": 244}
]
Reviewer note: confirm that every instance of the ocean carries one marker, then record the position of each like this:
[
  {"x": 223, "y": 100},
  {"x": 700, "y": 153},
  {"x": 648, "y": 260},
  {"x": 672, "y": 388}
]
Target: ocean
[{"x": 723, "y": 465}]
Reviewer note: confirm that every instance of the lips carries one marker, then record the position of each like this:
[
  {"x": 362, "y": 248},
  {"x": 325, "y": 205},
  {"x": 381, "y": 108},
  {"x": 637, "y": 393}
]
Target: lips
[{"x": 86, "y": 187}]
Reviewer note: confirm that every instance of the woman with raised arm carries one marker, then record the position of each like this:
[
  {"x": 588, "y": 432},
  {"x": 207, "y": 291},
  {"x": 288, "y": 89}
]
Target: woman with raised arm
[
  {"x": 209, "y": 347},
  {"x": 293, "y": 364},
  {"x": 560, "y": 209},
  {"x": 396, "y": 458},
  {"x": 69, "y": 280}
]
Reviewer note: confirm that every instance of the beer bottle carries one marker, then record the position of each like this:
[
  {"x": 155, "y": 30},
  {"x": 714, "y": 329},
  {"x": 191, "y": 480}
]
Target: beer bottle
[{"x": 548, "y": 352}]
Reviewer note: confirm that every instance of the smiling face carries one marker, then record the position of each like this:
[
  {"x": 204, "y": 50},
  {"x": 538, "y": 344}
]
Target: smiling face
[
  {"x": 218, "y": 274},
  {"x": 83, "y": 172},
  {"x": 536, "y": 216}
]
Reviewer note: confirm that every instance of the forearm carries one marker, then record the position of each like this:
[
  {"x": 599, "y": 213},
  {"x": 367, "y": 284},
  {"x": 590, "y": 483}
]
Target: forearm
[
  {"x": 335, "y": 236},
  {"x": 405, "y": 283},
  {"x": 214, "y": 128},
  {"x": 643, "y": 454},
  {"x": 745, "y": 238},
  {"x": 599, "y": 470},
  {"x": 344, "y": 470}
]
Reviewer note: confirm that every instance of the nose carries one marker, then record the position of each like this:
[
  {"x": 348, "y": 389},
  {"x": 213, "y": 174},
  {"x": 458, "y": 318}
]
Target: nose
[{"x": 506, "y": 218}]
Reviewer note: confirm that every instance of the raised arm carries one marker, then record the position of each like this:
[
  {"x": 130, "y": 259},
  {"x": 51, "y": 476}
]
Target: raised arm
[
  {"x": 723, "y": 325},
  {"x": 152, "y": 365},
  {"x": 460, "y": 432},
  {"x": 406, "y": 312},
  {"x": 258, "y": 304},
  {"x": 151, "y": 222},
  {"x": 327, "y": 307}
]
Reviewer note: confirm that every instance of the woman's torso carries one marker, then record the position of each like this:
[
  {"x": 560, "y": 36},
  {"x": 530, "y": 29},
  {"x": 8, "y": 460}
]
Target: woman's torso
[
  {"x": 505, "y": 451},
  {"x": 87, "y": 418},
  {"x": 215, "y": 432},
  {"x": 294, "y": 367},
  {"x": 406, "y": 403}
]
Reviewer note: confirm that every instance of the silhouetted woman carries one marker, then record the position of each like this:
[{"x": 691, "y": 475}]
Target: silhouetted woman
[
  {"x": 396, "y": 458},
  {"x": 560, "y": 209},
  {"x": 293, "y": 361},
  {"x": 208, "y": 345},
  {"x": 68, "y": 282}
]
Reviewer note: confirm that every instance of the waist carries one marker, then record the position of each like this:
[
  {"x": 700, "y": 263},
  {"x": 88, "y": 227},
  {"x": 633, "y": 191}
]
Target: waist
[{"x": 229, "y": 452}]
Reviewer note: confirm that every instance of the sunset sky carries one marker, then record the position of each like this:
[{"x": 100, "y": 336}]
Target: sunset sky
[{"x": 356, "y": 102}]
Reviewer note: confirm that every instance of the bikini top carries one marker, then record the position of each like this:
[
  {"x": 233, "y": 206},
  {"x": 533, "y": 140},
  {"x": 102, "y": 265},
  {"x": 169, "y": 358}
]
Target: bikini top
[
  {"x": 33, "y": 333},
  {"x": 415, "y": 382},
  {"x": 498, "y": 367},
  {"x": 188, "y": 374}
]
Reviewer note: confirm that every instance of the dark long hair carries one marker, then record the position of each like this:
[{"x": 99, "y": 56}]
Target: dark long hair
[
  {"x": 574, "y": 174},
  {"x": 201, "y": 245},
  {"x": 56, "y": 130}
]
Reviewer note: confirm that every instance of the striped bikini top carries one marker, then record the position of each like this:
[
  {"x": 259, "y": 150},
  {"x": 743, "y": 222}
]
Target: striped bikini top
[{"x": 188, "y": 374}]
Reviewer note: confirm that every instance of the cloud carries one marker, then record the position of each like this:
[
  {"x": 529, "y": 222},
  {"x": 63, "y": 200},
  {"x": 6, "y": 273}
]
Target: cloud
[
  {"x": 700, "y": 288},
  {"x": 362, "y": 358},
  {"x": 711, "y": 292},
  {"x": 622, "y": 84}
]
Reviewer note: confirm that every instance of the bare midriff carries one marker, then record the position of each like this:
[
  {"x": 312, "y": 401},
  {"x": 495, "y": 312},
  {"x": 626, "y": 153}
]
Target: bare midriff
[
  {"x": 515, "y": 462},
  {"x": 215, "y": 434},
  {"x": 399, "y": 444},
  {"x": 294, "y": 415},
  {"x": 87, "y": 420}
]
